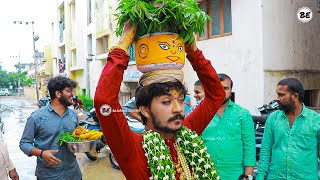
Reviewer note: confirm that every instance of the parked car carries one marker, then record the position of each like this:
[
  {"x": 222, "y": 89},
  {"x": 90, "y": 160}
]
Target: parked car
[{"x": 4, "y": 92}]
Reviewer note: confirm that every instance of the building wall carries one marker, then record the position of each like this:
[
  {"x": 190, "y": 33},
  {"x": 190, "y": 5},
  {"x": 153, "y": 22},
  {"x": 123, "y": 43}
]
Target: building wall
[
  {"x": 95, "y": 69},
  {"x": 310, "y": 81},
  {"x": 290, "y": 47},
  {"x": 54, "y": 43},
  {"x": 78, "y": 42},
  {"x": 238, "y": 55},
  {"x": 48, "y": 60},
  {"x": 104, "y": 24}
]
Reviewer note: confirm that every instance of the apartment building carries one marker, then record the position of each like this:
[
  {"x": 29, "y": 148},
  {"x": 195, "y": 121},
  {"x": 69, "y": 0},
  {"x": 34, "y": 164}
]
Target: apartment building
[{"x": 257, "y": 43}]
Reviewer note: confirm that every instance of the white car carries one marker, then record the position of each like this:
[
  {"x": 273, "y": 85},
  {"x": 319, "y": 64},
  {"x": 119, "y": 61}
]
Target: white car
[{"x": 4, "y": 92}]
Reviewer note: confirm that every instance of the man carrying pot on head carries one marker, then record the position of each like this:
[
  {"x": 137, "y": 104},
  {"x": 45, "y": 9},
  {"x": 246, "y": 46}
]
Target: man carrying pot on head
[
  {"x": 172, "y": 145},
  {"x": 42, "y": 131}
]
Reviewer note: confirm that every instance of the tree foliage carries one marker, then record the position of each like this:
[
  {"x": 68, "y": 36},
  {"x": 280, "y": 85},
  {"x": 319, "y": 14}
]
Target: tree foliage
[
  {"x": 87, "y": 102},
  {"x": 8, "y": 79}
]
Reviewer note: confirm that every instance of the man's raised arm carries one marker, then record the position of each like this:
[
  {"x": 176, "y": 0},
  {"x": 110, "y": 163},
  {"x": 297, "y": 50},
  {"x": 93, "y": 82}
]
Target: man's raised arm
[
  {"x": 112, "y": 121},
  {"x": 214, "y": 92}
]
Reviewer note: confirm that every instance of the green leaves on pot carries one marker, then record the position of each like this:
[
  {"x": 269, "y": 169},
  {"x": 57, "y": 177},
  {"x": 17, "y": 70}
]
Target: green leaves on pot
[{"x": 183, "y": 17}]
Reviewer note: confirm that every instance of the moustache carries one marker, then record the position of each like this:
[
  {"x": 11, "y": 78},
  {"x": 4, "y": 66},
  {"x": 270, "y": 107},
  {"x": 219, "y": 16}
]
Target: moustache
[{"x": 177, "y": 116}]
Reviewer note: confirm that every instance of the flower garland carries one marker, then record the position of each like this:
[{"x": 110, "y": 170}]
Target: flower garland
[{"x": 192, "y": 147}]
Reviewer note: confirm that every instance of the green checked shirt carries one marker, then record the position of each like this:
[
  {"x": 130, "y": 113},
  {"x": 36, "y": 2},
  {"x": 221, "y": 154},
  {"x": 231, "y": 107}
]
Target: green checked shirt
[
  {"x": 290, "y": 153},
  {"x": 230, "y": 140}
]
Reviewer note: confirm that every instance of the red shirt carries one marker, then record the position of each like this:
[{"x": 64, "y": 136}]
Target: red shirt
[{"x": 125, "y": 144}]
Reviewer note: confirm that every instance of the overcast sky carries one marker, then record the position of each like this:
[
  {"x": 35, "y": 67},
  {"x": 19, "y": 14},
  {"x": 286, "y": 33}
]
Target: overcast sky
[{"x": 15, "y": 38}]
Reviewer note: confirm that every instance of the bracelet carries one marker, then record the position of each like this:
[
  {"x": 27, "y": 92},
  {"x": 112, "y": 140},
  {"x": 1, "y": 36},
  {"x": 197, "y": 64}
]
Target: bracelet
[{"x": 41, "y": 154}]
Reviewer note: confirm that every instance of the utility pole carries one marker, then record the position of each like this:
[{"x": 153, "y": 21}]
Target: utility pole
[
  {"x": 19, "y": 72},
  {"x": 35, "y": 61},
  {"x": 34, "y": 39}
]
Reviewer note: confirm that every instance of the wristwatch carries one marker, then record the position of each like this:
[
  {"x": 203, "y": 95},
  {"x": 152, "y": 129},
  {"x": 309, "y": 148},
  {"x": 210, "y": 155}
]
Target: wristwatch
[{"x": 250, "y": 177}]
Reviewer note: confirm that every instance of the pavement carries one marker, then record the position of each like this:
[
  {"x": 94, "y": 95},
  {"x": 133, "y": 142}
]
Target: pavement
[{"x": 14, "y": 113}]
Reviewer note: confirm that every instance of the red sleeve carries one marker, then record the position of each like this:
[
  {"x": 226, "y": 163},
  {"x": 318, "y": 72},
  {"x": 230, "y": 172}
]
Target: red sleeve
[
  {"x": 114, "y": 126},
  {"x": 214, "y": 94}
]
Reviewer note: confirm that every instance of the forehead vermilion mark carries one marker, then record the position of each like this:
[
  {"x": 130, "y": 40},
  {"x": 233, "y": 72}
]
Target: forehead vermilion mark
[
  {"x": 222, "y": 83},
  {"x": 174, "y": 92}
]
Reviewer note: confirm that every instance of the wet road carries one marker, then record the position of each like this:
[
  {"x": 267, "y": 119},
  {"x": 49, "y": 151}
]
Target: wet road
[{"x": 14, "y": 112}]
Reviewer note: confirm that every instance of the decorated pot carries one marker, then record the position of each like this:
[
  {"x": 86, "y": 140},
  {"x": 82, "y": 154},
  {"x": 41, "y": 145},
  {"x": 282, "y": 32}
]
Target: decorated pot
[{"x": 159, "y": 51}]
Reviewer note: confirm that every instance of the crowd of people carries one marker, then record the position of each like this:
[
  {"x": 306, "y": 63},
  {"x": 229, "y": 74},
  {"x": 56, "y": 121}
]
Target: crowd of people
[{"x": 214, "y": 139}]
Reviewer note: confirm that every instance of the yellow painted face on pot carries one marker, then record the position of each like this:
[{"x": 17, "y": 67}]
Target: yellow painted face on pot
[{"x": 160, "y": 51}]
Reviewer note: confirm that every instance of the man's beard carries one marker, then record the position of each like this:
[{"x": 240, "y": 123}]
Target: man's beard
[
  {"x": 286, "y": 108},
  {"x": 225, "y": 100},
  {"x": 157, "y": 124},
  {"x": 64, "y": 100}
]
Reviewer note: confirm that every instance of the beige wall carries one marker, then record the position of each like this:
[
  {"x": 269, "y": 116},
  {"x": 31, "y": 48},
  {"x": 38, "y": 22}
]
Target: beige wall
[
  {"x": 290, "y": 47},
  {"x": 289, "y": 44},
  {"x": 238, "y": 55}
]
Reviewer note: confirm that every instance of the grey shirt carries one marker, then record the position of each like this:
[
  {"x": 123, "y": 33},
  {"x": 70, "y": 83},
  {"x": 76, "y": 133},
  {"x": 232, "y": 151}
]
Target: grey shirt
[{"x": 42, "y": 131}]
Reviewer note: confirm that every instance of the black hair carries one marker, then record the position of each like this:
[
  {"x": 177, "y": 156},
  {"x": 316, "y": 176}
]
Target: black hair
[
  {"x": 198, "y": 83},
  {"x": 58, "y": 83},
  {"x": 294, "y": 86},
  {"x": 223, "y": 76},
  {"x": 145, "y": 94}
]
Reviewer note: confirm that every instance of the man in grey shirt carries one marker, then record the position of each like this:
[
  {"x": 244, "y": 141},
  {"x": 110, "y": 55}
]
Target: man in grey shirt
[{"x": 42, "y": 131}]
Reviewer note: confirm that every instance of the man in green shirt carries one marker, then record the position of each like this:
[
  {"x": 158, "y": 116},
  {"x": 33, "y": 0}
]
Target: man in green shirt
[
  {"x": 290, "y": 144},
  {"x": 230, "y": 138}
]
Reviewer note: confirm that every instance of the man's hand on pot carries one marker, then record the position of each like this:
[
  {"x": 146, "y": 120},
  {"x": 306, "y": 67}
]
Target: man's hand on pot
[
  {"x": 191, "y": 47},
  {"x": 127, "y": 37}
]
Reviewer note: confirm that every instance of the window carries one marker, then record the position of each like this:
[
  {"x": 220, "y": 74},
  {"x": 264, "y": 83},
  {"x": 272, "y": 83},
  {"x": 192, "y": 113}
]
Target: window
[
  {"x": 74, "y": 57},
  {"x": 220, "y": 13},
  {"x": 131, "y": 53},
  {"x": 89, "y": 44},
  {"x": 102, "y": 44}
]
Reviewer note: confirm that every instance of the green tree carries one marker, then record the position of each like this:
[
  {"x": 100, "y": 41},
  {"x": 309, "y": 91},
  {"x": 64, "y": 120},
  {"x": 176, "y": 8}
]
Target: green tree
[
  {"x": 8, "y": 79},
  {"x": 87, "y": 102}
]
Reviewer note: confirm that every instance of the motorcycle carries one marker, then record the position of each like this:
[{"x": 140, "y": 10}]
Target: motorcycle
[
  {"x": 260, "y": 121},
  {"x": 43, "y": 101},
  {"x": 92, "y": 122}
]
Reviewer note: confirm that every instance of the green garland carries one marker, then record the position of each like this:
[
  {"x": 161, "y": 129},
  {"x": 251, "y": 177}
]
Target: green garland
[{"x": 159, "y": 158}]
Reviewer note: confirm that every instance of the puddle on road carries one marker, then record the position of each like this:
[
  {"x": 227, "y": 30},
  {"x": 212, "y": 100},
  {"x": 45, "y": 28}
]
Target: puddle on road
[{"x": 14, "y": 112}]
